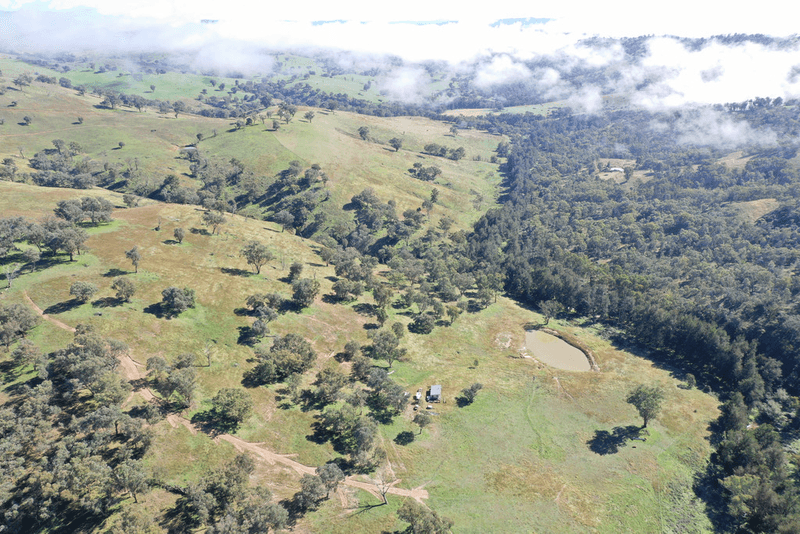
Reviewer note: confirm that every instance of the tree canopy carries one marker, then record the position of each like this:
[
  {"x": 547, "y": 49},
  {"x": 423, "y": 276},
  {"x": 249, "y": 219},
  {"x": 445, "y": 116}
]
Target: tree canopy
[
  {"x": 648, "y": 401},
  {"x": 257, "y": 254}
]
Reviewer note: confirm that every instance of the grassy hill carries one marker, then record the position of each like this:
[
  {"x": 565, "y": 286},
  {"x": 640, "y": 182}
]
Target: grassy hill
[
  {"x": 152, "y": 143},
  {"x": 539, "y": 450}
]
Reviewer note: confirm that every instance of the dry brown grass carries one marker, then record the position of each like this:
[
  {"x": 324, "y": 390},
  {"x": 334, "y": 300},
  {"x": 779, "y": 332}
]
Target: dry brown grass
[
  {"x": 753, "y": 210},
  {"x": 735, "y": 160}
]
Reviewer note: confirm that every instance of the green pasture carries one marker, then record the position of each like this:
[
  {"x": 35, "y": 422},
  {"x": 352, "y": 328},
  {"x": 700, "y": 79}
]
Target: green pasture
[{"x": 521, "y": 458}]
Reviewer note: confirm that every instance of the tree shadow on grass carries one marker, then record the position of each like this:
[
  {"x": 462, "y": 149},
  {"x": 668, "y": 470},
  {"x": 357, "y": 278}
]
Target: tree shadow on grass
[
  {"x": 367, "y": 310},
  {"x": 605, "y": 442},
  {"x": 199, "y": 231},
  {"x": 364, "y": 508},
  {"x": 405, "y": 437},
  {"x": 235, "y": 272},
  {"x": 341, "y": 357},
  {"x": 330, "y": 298},
  {"x": 249, "y": 337},
  {"x": 114, "y": 272},
  {"x": 321, "y": 434},
  {"x": 463, "y": 402},
  {"x": 158, "y": 310},
  {"x": 62, "y": 307},
  {"x": 310, "y": 400},
  {"x": 107, "y": 302},
  {"x": 8, "y": 370},
  {"x": 210, "y": 423}
]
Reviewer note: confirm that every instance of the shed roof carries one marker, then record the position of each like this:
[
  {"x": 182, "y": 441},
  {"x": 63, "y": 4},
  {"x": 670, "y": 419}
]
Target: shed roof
[{"x": 436, "y": 390}]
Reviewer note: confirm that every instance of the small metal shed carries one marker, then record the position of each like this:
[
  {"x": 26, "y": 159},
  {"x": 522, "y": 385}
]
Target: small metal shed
[{"x": 436, "y": 394}]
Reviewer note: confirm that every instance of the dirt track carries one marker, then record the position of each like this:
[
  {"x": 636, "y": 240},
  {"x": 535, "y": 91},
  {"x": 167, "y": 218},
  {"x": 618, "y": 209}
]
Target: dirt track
[
  {"x": 131, "y": 371},
  {"x": 47, "y": 317}
]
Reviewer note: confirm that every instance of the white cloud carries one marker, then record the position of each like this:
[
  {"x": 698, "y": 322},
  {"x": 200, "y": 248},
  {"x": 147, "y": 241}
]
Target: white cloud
[
  {"x": 586, "y": 99},
  {"x": 502, "y": 69},
  {"x": 407, "y": 84},
  {"x": 707, "y": 127},
  {"x": 668, "y": 75}
]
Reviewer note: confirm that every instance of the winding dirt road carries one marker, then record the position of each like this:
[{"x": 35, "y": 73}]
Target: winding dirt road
[
  {"x": 45, "y": 316},
  {"x": 132, "y": 370}
]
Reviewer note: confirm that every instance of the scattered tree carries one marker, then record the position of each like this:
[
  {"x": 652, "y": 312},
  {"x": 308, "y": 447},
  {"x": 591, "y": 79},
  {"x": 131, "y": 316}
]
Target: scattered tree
[
  {"x": 97, "y": 209},
  {"x": 453, "y": 313},
  {"x": 331, "y": 475},
  {"x": 175, "y": 300},
  {"x": 351, "y": 349},
  {"x": 23, "y": 80},
  {"x": 70, "y": 210},
  {"x": 179, "y": 234},
  {"x": 83, "y": 291},
  {"x": 125, "y": 289},
  {"x": 214, "y": 219},
  {"x": 422, "y": 519},
  {"x": 396, "y": 143},
  {"x": 422, "y": 324},
  {"x": 550, "y": 308},
  {"x": 468, "y": 394},
  {"x": 330, "y": 382},
  {"x": 286, "y": 111},
  {"x": 364, "y": 132},
  {"x": 295, "y": 270},
  {"x": 231, "y": 406},
  {"x": 304, "y": 291},
  {"x": 11, "y": 271},
  {"x": 130, "y": 200},
  {"x": 422, "y": 420},
  {"x": 309, "y": 116},
  {"x": 647, "y": 400},
  {"x": 15, "y": 321},
  {"x": 256, "y": 254},
  {"x": 131, "y": 476},
  {"x": 135, "y": 256},
  {"x": 385, "y": 346},
  {"x": 32, "y": 256},
  {"x": 312, "y": 491},
  {"x": 284, "y": 218}
]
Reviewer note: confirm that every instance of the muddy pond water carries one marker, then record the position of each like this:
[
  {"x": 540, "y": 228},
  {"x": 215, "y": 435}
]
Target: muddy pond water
[{"x": 555, "y": 352}]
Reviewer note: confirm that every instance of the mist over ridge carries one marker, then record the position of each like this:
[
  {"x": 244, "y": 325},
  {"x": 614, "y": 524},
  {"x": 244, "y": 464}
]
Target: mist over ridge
[{"x": 539, "y": 58}]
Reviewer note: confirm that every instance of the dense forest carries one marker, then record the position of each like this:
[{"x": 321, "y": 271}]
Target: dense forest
[{"x": 671, "y": 261}]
